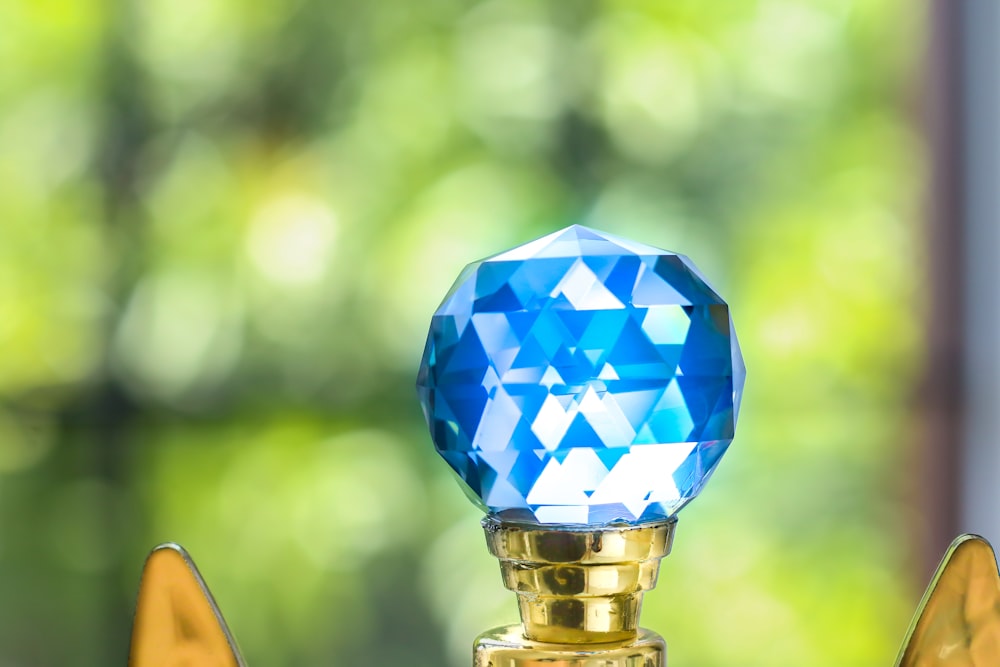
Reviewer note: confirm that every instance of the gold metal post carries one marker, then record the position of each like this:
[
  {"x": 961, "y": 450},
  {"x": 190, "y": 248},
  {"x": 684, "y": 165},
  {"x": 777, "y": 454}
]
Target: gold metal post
[{"x": 579, "y": 593}]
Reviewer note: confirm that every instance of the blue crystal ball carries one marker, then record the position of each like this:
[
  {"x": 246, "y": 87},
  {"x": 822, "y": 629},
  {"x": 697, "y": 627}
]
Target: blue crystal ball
[{"x": 582, "y": 379}]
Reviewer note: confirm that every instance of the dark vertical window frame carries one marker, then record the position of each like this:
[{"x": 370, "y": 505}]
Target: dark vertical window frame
[
  {"x": 979, "y": 490},
  {"x": 938, "y": 409}
]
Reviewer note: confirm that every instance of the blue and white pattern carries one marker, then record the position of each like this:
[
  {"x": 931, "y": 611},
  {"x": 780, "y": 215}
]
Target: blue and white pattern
[{"x": 582, "y": 379}]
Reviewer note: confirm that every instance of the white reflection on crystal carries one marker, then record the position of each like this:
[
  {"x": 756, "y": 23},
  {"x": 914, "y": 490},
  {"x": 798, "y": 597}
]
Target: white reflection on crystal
[
  {"x": 637, "y": 478},
  {"x": 564, "y": 483},
  {"x": 666, "y": 325},
  {"x": 572, "y": 514},
  {"x": 651, "y": 290},
  {"x": 503, "y": 493},
  {"x": 605, "y": 417},
  {"x": 585, "y": 291},
  {"x": 504, "y": 413},
  {"x": 551, "y": 423}
]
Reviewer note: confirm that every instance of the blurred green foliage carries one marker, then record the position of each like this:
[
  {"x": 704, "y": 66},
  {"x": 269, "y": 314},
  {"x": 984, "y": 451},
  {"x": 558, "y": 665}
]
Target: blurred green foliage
[{"x": 224, "y": 227}]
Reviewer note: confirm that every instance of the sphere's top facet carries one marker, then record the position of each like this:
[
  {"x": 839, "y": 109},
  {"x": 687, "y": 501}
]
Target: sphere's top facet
[{"x": 582, "y": 379}]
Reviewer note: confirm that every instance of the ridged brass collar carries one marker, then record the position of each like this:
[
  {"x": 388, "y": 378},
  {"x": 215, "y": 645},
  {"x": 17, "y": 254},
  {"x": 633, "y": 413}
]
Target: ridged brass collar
[{"x": 579, "y": 585}]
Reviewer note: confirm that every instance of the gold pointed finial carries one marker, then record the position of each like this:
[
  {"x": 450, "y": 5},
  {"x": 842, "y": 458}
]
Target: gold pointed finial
[
  {"x": 177, "y": 623},
  {"x": 958, "y": 621}
]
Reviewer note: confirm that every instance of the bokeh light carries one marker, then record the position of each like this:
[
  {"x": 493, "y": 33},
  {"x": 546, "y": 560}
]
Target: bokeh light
[{"x": 225, "y": 227}]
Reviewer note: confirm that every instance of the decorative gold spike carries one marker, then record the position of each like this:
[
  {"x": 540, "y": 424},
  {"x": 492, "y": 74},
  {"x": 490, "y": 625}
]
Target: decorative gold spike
[
  {"x": 958, "y": 621},
  {"x": 177, "y": 623}
]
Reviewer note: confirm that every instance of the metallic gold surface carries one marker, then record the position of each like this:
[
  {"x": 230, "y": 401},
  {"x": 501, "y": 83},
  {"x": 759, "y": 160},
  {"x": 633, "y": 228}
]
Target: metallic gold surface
[
  {"x": 177, "y": 623},
  {"x": 579, "y": 585},
  {"x": 958, "y": 621},
  {"x": 506, "y": 647}
]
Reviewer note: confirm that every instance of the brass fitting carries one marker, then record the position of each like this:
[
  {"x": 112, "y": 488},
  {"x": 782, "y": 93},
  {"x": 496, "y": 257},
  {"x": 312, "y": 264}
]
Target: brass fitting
[{"x": 579, "y": 593}]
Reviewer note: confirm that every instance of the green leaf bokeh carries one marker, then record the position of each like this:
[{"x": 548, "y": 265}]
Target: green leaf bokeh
[{"x": 224, "y": 227}]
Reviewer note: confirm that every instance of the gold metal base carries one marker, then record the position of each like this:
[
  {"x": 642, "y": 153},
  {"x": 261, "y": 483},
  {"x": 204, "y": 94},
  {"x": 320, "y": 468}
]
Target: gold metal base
[
  {"x": 507, "y": 647},
  {"x": 579, "y": 592}
]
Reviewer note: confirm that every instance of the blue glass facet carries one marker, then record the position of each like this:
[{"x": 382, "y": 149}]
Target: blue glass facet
[{"x": 582, "y": 379}]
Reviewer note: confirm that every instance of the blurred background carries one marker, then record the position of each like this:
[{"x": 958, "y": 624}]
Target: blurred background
[{"x": 224, "y": 227}]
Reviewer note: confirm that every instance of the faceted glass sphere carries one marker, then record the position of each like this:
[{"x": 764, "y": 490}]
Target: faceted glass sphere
[{"x": 582, "y": 379}]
